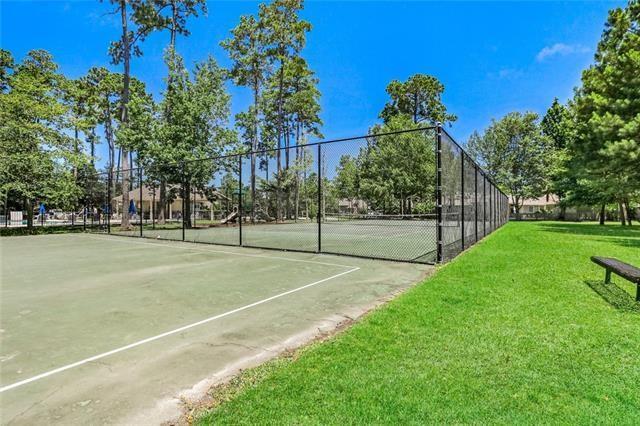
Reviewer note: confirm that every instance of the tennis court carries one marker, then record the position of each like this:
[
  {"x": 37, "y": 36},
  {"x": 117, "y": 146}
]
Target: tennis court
[
  {"x": 409, "y": 238},
  {"x": 116, "y": 327}
]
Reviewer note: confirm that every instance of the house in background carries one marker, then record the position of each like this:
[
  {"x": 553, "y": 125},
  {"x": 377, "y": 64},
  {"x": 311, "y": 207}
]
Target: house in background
[
  {"x": 547, "y": 207},
  {"x": 351, "y": 206},
  {"x": 543, "y": 207},
  {"x": 202, "y": 207}
]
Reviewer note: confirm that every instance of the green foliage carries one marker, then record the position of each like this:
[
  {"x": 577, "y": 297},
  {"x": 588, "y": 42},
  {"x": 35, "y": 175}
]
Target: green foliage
[
  {"x": 347, "y": 180},
  {"x": 515, "y": 153},
  {"x": 557, "y": 126},
  {"x": 201, "y": 102},
  {"x": 172, "y": 15},
  {"x": 396, "y": 171},
  {"x": 37, "y": 154},
  {"x": 265, "y": 54},
  {"x": 607, "y": 119},
  {"x": 420, "y": 98}
]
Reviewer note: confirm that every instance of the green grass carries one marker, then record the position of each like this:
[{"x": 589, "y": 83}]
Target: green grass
[{"x": 517, "y": 330}]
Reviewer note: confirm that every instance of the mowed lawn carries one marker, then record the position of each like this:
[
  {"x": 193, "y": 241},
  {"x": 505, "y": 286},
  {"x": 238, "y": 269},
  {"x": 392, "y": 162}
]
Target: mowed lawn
[{"x": 519, "y": 329}]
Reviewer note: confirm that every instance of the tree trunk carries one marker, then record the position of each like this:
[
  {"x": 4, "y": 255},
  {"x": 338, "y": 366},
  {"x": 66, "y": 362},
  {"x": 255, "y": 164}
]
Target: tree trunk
[
  {"x": 162, "y": 202},
  {"x": 29, "y": 207},
  {"x": 627, "y": 211},
  {"x": 93, "y": 147},
  {"x": 254, "y": 147},
  {"x": 280, "y": 137},
  {"x": 623, "y": 220},
  {"x": 76, "y": 146},
  {"x": 174, "y": 19},
  {"x": 517, "y": 206},
  {"x": 124, "y": 115},
  {"x": 298, "y": 165},
  {"x": 602, "y": 213},
  {"x": 108, "y": 132}
]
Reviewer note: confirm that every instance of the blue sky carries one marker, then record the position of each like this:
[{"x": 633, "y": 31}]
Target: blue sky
[{"x": 493, "y": 57}]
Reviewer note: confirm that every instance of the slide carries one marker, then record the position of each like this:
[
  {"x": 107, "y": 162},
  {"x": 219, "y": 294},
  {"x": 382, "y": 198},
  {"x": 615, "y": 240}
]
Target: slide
[{"x": 232, "y": 217}]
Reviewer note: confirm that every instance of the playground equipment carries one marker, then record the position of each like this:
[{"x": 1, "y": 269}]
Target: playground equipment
[{"x": 231, "y": 218}]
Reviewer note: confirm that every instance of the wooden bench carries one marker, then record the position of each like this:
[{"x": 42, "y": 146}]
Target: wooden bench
[{"x": 624, "y": 270}]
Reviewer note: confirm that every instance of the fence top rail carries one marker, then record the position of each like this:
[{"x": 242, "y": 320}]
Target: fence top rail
[
  {"x": 262, "y": 151},
  {"x": 312, "y": 144}
]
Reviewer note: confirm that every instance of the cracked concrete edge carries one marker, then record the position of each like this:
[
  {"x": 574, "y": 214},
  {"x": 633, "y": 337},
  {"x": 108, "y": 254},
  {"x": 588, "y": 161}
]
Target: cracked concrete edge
[{"x": 175, "y": 410}]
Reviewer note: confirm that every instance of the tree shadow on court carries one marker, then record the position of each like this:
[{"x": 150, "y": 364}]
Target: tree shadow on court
[
  {"x": 615, "y": 296},
  {"x": 613, "y": 233}
]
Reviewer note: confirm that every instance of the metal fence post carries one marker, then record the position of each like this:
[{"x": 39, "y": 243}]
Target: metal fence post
[
  {"x": 185, "y": 199},
  {"x": 108, "y": 204},
  {"x": 462, "y": 196},
  {"x": 240, "y": 209},
  {"x": 484, "y": 205},
  {"x": 491, "y": 208},
  {"x": 475, "y": 202},
  {"x": 141, "y": 213},
  {"x": 319, "y": 198},
  {"x": 439, "y": 242}
]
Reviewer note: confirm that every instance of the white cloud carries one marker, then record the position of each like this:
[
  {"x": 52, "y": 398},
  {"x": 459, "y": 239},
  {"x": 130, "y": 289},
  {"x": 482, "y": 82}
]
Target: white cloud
[{"x": 560, "y": 49}]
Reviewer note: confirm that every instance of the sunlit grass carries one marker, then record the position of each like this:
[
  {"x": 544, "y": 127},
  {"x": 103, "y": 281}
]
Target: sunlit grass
[{"x": 510, "y": 332}]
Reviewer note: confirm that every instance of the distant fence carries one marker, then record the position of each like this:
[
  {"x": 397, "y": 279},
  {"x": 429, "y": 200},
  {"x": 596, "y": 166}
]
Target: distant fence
[{"x": 412, "y": 196}]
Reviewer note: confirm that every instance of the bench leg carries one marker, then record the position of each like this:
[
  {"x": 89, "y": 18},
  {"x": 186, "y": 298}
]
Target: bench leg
[{"x": 607, "y": 277}]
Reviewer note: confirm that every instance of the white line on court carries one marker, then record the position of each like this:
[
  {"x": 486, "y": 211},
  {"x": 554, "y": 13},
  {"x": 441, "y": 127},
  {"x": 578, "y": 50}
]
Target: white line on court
[
  {"x": 168, "y": 333},
  {"x": 168, "y": 244}
]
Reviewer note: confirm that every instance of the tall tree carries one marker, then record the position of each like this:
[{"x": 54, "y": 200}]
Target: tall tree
[
  {"x": 37, "y": 155},
  {"x": 172, "y": 15},
  {"x": 105, "y": 87},
  {"x": 420, "y": 97},
  {"x": 347, "y": 180},
  {"x": 514, "y": 152},
  {"x": 286, "y": 35},
  {"x": 300, "y": 114},
  {"x": 247, "y": 48},
  {"x": 137, "y": 20},
  {"x": 607, "y": 110},
  {"x": 77, "y": 97},
  {"x": 203, "y": 105},
  {"x": 557, "y": 127},
  {"x": 396, "y": 171}
]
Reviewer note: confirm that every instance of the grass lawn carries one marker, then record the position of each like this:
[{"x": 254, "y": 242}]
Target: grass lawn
[{"x": 517, "y": 330}]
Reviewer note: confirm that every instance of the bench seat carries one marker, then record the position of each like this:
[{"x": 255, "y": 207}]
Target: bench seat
[{"x": 624, "y": 270}]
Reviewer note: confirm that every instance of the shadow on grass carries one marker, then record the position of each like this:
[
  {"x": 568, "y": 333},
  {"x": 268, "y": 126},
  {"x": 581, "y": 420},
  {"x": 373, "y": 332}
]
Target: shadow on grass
[
  {"x": 615, "y": 296},
  {"x": 622, "y": 235}
]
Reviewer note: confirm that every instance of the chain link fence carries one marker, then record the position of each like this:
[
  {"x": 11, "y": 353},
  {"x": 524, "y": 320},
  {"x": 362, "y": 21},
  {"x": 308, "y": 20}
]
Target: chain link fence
[{"x": 413, "y": 196}]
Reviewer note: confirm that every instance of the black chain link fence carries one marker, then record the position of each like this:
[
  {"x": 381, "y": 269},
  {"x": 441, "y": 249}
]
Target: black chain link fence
[{"x": 412, "y": 196}]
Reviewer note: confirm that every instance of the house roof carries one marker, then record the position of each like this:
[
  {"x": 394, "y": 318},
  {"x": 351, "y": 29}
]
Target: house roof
[{"x": 545, "y": 200}]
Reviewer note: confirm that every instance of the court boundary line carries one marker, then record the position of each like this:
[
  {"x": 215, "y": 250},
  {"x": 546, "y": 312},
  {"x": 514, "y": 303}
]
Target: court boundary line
[
  {"x": 316, "y": 262},
  {"x": 168, "y": 333}
]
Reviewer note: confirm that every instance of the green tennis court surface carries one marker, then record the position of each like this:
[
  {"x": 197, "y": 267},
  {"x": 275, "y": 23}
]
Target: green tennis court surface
[
  {"x": 406, "y": 240},
  {"x": 117, "y": 328}
]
